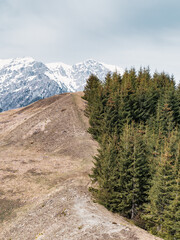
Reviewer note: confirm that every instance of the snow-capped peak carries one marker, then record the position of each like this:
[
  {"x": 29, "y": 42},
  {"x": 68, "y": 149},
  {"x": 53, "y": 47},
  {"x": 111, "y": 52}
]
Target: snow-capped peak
[
  {"x": 113, "y": 68},
  {"x": 58, "y": 65},
  {"x": 75, "y": 76},
  {"x": 16, "y": 63}
]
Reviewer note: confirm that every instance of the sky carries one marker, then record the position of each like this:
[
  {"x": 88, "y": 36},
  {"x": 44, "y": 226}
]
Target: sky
[{"x": 126, "y": 33}]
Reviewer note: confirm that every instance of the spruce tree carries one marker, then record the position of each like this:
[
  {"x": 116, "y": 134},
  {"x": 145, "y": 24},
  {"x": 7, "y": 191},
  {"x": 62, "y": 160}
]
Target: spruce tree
[
  {"x": 164, "y": 192},
  {"x": 134, "y": 171}
]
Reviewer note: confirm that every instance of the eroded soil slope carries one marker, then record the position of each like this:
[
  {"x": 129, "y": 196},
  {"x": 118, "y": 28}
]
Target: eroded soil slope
[{"x": 45, "y": 158}]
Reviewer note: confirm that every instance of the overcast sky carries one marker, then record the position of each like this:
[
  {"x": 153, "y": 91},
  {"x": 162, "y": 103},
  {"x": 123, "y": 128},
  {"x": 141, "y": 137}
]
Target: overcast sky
[{"x": 121, "y": 32}]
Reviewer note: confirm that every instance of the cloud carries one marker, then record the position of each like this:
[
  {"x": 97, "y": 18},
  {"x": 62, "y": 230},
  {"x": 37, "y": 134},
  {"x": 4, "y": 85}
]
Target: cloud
[{"x": 135, "y": 32}]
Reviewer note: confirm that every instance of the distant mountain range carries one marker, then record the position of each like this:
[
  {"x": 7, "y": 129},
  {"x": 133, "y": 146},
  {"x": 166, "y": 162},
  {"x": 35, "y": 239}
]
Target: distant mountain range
[{"x": 25, "y": 80}]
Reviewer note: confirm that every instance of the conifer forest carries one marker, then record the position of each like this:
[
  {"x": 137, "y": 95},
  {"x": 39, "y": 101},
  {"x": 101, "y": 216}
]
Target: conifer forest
[{"x": 135, "y": 118}]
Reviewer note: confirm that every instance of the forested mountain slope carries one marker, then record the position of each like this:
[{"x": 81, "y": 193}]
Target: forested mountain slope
[{"x": 135, "y": 118}]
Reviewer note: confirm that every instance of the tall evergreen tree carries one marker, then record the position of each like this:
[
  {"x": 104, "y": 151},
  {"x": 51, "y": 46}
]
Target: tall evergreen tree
[
  {"x": 134, "y": 171},
  {"x": 164, "y": 192}
]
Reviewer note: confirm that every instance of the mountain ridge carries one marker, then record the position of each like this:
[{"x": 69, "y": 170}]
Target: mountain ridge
[
  {"x": 46, "y": 158},
  {"x": 25, "y": 80}
]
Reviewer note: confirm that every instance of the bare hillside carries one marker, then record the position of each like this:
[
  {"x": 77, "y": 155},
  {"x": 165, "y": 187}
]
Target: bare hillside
[{"x": 45, "y": 158}]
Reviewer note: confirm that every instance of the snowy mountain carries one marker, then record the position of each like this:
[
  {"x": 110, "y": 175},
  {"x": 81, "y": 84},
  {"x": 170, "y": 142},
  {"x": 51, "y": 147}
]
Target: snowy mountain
[
  {"x": 74, "y": 77},
  {"x": 24, "y": 80}
]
